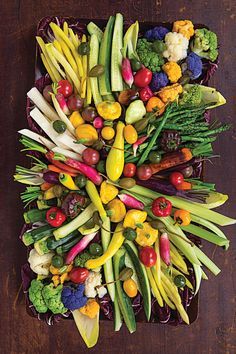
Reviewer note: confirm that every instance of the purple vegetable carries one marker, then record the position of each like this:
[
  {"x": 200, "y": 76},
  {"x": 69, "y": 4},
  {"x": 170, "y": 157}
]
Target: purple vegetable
[
  {"x": 51, "y": 177},
  {"x": 72, "y": 204}
]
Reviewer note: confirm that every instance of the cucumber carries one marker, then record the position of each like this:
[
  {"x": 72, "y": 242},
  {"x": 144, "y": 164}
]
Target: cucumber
[
  {"x": 124, "y": 301},
  {"x": 117, "y": 315},
  {"x": 108, "y": 268},
  {"x": 142, "y": 276},
  {"x": 93, "y": 60},
  {"x": 94, "y": 29},
  {"x": 116, "y": 55},
  {"x": 35, "y": 235},
  {"x": 105, "y": 58}
]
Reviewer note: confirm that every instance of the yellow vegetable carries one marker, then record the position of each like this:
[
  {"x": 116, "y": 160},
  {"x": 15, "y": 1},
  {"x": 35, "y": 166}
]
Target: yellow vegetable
[
  {"x": 56, "y": 280},
  {"x": 173, "y": 71},
  {"x": 49, "y": 194},
  {"x": 54, "y": 270},
  {"x": 115, "y": 159},
  {"x": 59, "y": 32},
  {"x": 67, "y": 181},
  {"x": 130, "y": 134},
  {"x": 185, "y": 27},
  {"x": 109, "y": 110},
  {"x": 86, "y": 132},
  {"x": 116, "y": 210},
  {"x": 130, "y": 287},
  {"x": 87, "y": 327},
  {"x": 116, "y": 242},
  {"x": 134, "y": 217},
  {"x": 170, "y": 93},
  {"x": 76, "y": 119},
  {"x": 91, "y": 309},
  {"x": 107, "y": 192},
  {"x": 96, "y": 200},
  {"x": 146, "y": 236},
  {"x": 108, "y": 133}
]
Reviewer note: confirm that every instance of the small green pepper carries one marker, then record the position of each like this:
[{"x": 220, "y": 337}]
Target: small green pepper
[
  {"x": 59, "y": 126},
  {"x": 84, "y": 48},
  {"x": 129, "y": 233}
]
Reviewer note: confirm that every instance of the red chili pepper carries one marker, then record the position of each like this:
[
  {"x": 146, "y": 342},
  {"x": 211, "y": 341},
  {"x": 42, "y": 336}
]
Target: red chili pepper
[
  {"x": 161, "y": 207},
  {"x": 145, "y": 93},
  {"x": 143, "y": 77},
  {"x": 55, "y": 217}
]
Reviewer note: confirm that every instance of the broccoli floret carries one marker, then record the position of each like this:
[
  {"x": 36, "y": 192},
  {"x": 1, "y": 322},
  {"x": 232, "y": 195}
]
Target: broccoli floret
[
  {"x": 158, "y": 32},
  {"x": 52, "y": 298},
  {"x": 82, "y": 258},
  {"x": 73, "y": 296},
  {"x": 36, "y": 297},
  {"x": 191, "y": 96},
  {"x": 194, "y": 65},
  {"x": 148, "y": 57},
  {"x": 205, "y": 44}
]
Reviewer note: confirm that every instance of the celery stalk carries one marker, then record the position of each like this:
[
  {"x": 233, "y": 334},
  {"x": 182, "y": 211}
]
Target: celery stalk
[
  {"x": 206, "y": 235},
  {"x": 193, "y": 208},
  {"x": 198, "y": 277},
  {"x": 206, "y": 261}
]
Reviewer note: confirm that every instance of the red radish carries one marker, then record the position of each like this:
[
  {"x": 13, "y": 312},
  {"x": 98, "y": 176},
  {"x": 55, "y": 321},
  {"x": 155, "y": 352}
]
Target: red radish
[
  {"x": 65, "y": 88},
  {"x": 141, "y": 140},
  {"x": 90, "y": 156},
  {"x": 131, "y": 202},
  {"x": 176, "y": 178},
  {"x": 79, "y": 247},
  {"x": 62, "y": 103},
  {"x": 78, "y": 275},
  {"x": 75, "y": 102},
  {"x": 126, "y": 72},
  {"x": 165, "y": 248},
  {"x": 98, "y": 123}
]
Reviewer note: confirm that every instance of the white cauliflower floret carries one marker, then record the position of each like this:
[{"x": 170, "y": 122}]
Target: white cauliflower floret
[
  {"x": 177, "y": 46},
  {"x": 94, "y": 279},
  {"x": 40, "y": 263}
]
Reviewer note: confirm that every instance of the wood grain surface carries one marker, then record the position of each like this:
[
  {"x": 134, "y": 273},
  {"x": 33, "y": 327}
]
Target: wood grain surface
[{"x": 214, "y": 332}]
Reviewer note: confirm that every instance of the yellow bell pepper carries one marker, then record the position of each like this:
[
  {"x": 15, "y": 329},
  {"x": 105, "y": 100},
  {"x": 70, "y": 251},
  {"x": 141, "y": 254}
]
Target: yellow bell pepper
[
  {"x": 49, "y": 194},
  {"x": 96, "y": 200},
  {"x": 115, "y": 159},
  {"x": 109, "y": 110},
  {"x": 87, "y": 133},
  {"x": 116, "y": 242},
  {"x": 76, "y": 119},
  {"x": 91, "y": 309},
  {"x": 146, "y": 236},
  {"x": 116, "y": 210},
  {"x": 134, "y": 217},
  {"x": 107, "y": 192},
  {"x": 67, "y": 181}
]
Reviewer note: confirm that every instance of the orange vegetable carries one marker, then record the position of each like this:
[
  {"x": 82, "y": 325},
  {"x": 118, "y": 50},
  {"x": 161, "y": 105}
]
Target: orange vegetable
[
  {"x": 45, "y": 186},
  {"x": 184, "y": 186},
  {"x": 59, "y": 170},
  {"x": 182, "y": 217},
  {"x": 155, "y": 103},
  {"x": 172, "y": 159},
  {"x": 130, "y": 134}
]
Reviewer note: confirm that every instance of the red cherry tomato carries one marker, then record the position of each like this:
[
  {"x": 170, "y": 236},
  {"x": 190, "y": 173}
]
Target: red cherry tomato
[
  {"x": 144, "y": 172},
  {"x": 143, "y": 77},
  {"x": 129, "y": 170},
  {"x": 78, "y": 275},
  {"x": 75, "y": 103},
  {"x": 145, "y": 93},
  {"x": 65, "y": 88},
  {"x": 90, "y": 156},
  {"x": 176, "y": 178},
  {"x": 148, "y": 256}
]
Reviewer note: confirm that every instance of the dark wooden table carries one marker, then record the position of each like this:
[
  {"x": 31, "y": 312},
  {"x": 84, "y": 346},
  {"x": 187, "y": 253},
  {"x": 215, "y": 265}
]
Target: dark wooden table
[{"x": 214, "y": 331}]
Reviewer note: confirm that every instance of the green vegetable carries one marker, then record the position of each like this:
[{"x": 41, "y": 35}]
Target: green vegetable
[
  {"x": 59, "y": 126},
  {"x": 52, "y": 244},
  {"x": 57, "y": 261},
  {"x": 96, "y": 71},
  {"x": 206, "y": 261},
  {"x": 80, "y": 220},
  {"x": 129, "y": 233},
  {"x": 67, "y": 246},
  {"x": 135, "y": 64},
  {"x": 82, "y": 258},
  {"x": 180, "y": 281},
  {"x": 95, "y": 249},
  {"x": 93, "y": 61},
  {"x": 142, "y": 277},
  {"x": 205, "y": 44},
  {"x": 36, "y": 297},
  {"x": 29, "y": 237},
  {"x": 116, "y": 56},
  {"x": 34, "y": 215},
  {"x": 158, "y": 46},
  {"x": 148, "y": 57},
  {"x": 52, "y": 298},
  {"x": 130, "y": 42},
  {"x": 154, "y": 157},
  {"x": 117, "y": 314},
  {"x": 94, "y": 29},
  {"x": 124, "y": 301},
  {"x": 105, "y": 58},
  {"x": 84, "y": 48},
  {"x": 135, "y": 112},
  {"x": 41, "y": 246},
  {"x": 80, "y": 181}
]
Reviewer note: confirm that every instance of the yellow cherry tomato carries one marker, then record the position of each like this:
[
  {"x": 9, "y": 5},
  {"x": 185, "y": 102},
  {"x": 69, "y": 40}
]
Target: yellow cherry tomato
[
  {"x": 108, "y": 133},
  {"x": 130, "y": 134},
  {"x": 130, "y": 287},
  {"x": 76, "y": 119}
]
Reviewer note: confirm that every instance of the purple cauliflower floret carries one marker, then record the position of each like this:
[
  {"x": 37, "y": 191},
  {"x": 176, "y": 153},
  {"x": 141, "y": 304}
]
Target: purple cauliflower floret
[
  {"x": 194, "y": 65},
  {"x": 159, "y": 80},
  {"x": 73, "y": 296},
  {"x": 158, "y": 32}
]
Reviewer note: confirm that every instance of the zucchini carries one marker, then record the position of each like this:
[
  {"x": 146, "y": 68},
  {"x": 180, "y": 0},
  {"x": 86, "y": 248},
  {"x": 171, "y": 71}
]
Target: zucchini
[
  {"x": 34, "y": 215},
  {"x": 117, "y": 315},
  {"x": 108, "y": 268},
  {"x": 105, "y": 58},
  {"x": 67, "y": 246},
  {"x": 94, "y": 29},
  {"x": 124, "y": 301},
  {"x": 41, "y": 246},
  {"x": 37, "y": 234},
  {"x": 142, "y": 276},
  {"x": 93, "y": 60},
  {"x": 52, "y": 244},
  {"x": 116, "y": 55}
]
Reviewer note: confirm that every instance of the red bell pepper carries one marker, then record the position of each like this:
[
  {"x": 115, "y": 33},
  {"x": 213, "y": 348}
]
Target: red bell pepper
[
  {"x": 55, "y": 217},
  {"x": 161, "y": 207}
]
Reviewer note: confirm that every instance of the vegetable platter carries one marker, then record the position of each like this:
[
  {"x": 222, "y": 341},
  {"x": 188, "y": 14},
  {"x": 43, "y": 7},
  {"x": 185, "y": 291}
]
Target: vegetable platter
[{"x": 115, "y": 204}]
